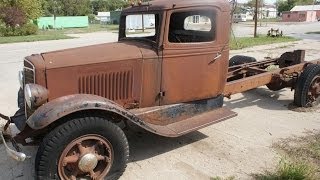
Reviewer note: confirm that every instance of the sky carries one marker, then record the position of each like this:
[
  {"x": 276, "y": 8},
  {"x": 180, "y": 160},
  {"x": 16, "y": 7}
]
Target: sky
[{"x": 266, "y": 1}]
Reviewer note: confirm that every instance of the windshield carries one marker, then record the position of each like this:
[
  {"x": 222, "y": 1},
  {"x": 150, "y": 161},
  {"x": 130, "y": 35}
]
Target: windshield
[{"x": 141, "y": 26}]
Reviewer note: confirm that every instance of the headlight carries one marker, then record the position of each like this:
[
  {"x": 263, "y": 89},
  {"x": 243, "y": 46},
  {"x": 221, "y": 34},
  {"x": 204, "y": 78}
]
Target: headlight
[
  {"x": 21, "y": 78},
  {"x": 35, "y": 95}
]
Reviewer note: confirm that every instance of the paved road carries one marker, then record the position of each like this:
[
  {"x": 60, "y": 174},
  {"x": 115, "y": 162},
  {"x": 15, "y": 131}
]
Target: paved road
[
  {"x": 11, "y": 57},
  {"x": 237, "y": 147},
  {"x": 291, "y": 29}
]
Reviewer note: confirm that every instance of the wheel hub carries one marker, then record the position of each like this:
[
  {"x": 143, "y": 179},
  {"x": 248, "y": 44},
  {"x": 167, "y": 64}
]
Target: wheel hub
[
  {"x": 87, "y": 156},
  {"x": 88, "y": 162},
  {"x": 314, "y": 91}
]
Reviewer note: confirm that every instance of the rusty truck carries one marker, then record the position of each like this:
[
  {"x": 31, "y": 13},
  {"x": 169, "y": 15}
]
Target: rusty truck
[{"x": 168, "y": 73}]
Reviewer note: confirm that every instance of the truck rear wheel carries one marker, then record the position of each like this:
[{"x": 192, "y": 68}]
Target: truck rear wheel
[
  {"x": 89, "y": 147},
  {"x": 307, "y": 90},
  {"x": 238, "y": 60}
]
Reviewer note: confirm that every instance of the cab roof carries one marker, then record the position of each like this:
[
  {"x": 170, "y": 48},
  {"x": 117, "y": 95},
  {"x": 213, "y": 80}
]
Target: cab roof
[{"x": 157, "y": 5}]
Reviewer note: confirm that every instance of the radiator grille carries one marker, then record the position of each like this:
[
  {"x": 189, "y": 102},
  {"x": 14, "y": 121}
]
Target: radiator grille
[
  {"x": 111, "y": 85},
  {"x": 29, "y": 77}
]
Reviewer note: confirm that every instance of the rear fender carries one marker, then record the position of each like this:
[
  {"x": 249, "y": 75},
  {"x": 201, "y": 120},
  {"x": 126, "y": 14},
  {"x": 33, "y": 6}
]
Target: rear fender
[{"x": 63, "y": 106}]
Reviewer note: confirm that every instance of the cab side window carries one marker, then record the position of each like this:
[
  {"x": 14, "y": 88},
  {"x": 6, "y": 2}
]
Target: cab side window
[{"x": 192, "y": 26}]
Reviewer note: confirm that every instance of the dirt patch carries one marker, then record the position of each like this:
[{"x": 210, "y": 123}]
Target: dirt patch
[
  {"x": 300, "y": 159},
  {"x": 295, "y": 108},
  {"x": 306, "y": 148}
]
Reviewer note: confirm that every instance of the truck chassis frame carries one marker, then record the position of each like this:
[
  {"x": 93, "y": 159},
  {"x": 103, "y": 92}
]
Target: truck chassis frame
[{"x": 288, "y": 68}]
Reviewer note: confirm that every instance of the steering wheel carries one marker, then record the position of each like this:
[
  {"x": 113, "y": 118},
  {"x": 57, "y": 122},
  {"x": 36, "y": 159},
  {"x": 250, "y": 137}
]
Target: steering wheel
[{"x": 174, "y": 36}]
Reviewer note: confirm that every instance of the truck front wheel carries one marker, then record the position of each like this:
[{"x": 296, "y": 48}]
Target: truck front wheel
[{"x": 89, "y": 148}]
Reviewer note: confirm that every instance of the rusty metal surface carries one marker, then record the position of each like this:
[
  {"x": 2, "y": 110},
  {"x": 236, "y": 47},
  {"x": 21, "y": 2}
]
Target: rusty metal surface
[
  {"x": 40, "y": 70},
  {"x": 4, "y": 117},
  {"x": 244, "y": 84},
  {"x": 314, "y": 91},
  {"x": 63, "y": 106},
  {"x": 94, "y": 54},
  {"x": 34, "y": 72},
  {"x": 52, "y": 111},
  {"x": 135, "y": 79},
  {"x": 151, "y": 78},
  {"x": 39, "y": 94},
  {"x": 194, "y": 123},
  {"x": 187, "y": 71},
  {"x": 87, "y": 156},
  {"x": 168, "y": 114},
  {"x": 119, "y": 81},
  {"x": 176, "y": 4}
]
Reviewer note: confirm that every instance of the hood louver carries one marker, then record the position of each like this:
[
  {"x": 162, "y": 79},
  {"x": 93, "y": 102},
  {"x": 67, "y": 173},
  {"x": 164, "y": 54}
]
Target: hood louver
[{"x": 111, "y": 85}]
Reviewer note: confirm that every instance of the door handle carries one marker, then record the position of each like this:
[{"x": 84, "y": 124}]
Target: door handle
[{"x": 215, "y": 58}]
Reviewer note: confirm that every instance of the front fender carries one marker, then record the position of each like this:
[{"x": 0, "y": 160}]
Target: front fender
[{"x": 63, "y": 106}]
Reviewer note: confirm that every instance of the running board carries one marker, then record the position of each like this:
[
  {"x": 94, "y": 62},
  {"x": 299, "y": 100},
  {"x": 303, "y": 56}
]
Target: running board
[{"x": 193, "y": 123}]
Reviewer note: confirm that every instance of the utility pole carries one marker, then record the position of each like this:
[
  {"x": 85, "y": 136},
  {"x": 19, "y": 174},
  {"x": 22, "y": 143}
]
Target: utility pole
[{"x": 256, "y": 19}]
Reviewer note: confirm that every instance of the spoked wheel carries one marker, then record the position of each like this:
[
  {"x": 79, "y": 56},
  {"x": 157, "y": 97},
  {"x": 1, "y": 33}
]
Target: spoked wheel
[
  {"x": 314, "y": 92},
  {"x": 307, "y": 91},
  {"x": 83, "y": 148},
  {"x": 89, "y": 156}
]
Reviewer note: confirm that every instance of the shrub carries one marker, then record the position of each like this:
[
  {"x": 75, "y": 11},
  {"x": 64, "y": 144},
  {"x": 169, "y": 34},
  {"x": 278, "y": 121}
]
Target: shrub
[
  {"x": 91, "y": 18},
  {"x": 27, "y": 29},
  {"x": 12, "y": 16}
]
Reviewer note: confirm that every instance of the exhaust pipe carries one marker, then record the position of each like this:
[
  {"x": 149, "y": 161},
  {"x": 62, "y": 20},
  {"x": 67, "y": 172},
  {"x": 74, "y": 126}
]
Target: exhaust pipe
[{"x": 18, "y": 156}]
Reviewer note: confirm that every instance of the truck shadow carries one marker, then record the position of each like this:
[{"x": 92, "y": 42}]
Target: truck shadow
[
  {"x": 145, "y": 145},
  {"x": 11, "y": 169},
  {"x": 261, "y": 97}
]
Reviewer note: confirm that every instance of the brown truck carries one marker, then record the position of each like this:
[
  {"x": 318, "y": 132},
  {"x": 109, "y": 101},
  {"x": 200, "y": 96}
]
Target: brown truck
[{"x": 168, "y": 74}]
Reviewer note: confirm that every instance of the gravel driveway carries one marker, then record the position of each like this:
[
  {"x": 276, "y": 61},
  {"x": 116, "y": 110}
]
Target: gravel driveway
[{"x": 236, "y": 147}]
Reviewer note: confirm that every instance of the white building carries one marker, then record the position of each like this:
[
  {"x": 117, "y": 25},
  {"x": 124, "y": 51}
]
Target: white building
[
  {"x": 103, "y": 16},
  {"x": 269, "y": 11},
  {"x": 134, "y": 22}
]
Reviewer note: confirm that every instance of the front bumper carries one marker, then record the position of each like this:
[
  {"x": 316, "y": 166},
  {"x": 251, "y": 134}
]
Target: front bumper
[{"x": 7, "y": 131}]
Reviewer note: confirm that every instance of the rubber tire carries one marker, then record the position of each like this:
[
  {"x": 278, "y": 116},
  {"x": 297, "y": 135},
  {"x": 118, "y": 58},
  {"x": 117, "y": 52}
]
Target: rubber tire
[
  {"x": 303, "y": 84},
  {"x": 53, "y": 144},
  {"x": 238, "y": 59}
]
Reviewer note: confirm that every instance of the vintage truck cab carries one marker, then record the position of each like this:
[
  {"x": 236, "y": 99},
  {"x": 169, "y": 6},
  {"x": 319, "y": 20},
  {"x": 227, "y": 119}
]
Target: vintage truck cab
[{"x": 168, "y": 74}]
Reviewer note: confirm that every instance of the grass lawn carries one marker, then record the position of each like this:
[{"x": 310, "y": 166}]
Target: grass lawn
[
  {"x": 301, "y": 159},
  {"x": 244, "y": 42},
  {"x": 31, "y": 38},
  {"x": 58, "y": 34},
  {"x": 267, "y": 20},
  {"x": 90, "y": 29}
]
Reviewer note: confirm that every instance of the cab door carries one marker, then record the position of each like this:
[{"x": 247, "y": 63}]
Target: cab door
[{"x": 195, "y": 54}]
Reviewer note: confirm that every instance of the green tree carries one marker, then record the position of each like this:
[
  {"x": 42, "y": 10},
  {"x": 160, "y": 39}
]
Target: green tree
[
  {"x": 31, "y": 8},
  {"x": 108, "y": 5},
  {"x": 252, "y": 3},
  {"x": 66, "y": 7},
  {"x": 283, "y": 5},
  {"x": 287, "y": 5}
]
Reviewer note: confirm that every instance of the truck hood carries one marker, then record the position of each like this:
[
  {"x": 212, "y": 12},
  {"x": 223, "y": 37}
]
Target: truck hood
[{"x": 92, "y": 54}]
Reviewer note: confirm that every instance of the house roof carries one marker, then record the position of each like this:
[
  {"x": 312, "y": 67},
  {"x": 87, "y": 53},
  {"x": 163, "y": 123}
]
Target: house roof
[{"x": 306, "y": 8}]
